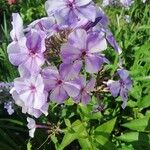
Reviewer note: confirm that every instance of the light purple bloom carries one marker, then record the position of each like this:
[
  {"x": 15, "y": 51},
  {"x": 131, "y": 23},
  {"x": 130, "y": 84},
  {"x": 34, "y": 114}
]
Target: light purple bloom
[
  {"x": 121, "y": 87},
  {"x": 17, "y": 31},
  {"x": 29, "y": 93},
  {"x": 9, "y": 107},
  {"x": 86, "y": 88},
  {"x": 28, "y": 52},
  {"x": 32, "y": 126},
  {"x": 87, "y": 49},
  {"x": 56, "y": 82},
  {"x": 127, "y": 3},
  {"x": 71, "y": 11}
]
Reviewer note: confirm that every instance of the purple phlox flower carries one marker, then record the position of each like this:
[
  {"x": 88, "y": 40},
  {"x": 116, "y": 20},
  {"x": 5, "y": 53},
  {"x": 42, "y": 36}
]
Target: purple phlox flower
[
  {"x": 9, "y": 106},
  {"x": 87, "y": 47},
  {"x": 110, "y": 38},
  {"x": 86, "y": 88},
  {"x": 32, "y": 126},
  {"x": 121, "y": 87},
  {"x": 29, "y": 52},
  {"x": 17, "y": 31},
  {"x": 56, "y": 82},
  {"x": 29, "y": 93},
  {"x": 126, "y": 3},
  {"x": 71, "y": 11}
]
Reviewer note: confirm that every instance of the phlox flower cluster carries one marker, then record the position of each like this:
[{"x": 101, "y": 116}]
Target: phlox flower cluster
[
  {"x": 60, "y": 56},
  {"x": 124, "y": 3}
]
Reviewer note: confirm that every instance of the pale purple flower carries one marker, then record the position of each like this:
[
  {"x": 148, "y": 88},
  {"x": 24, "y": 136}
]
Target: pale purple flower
[
  {"x": 32, "y": 126},
  {"x": 126, "y": 3},
  {"x": 56, "y": 82},
  {"x": 71, "y": 11},
  {"x": 28, "y": 52},
  {"x": 87, "y": 47},
  {"x": 17, "y": 31},
  {"x": 9, "y": 107},
  {"x": 121, "y": 87},
  {"x": 29, "y": 93},
  {"x": 85, "y": 89}
]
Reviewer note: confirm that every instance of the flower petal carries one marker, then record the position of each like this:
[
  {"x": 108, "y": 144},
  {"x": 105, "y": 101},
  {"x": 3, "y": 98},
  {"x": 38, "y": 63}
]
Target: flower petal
[
  {"x": 17, "y": 31},
  {"x": 70, "y": 70},
  {"x": 85, "y": 98},
  {"x": 123, "y": 74},
  {"x": 90, "y": 85},
  {"x": 71, "y": 88},
  {"x": 93, "y": 63},
  {"x": 124, "y": 96},
  {"x": 96, "y": 43},
  {"x": 88, "y": 11},
  {"x": 34, "y": 42},
  {"x": 16, "y": 54},
  {"x": 82, "y": 2},
  {"x": 114, "y": 87},
  {"x": 59, "y": 94},
  {"x": 52, "y": 6},
  {"x": 69, "y": 53},
  {"x": 75, "y": 39}
]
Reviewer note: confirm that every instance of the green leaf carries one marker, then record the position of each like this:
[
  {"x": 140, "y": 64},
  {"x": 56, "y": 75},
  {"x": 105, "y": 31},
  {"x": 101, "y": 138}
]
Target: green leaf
[
  {"x": 144, "y": 102},
  {"x": 67, "y": 139},
  {"x": 55, "y": 140},
  {"x": 102, "y": 134},
  {"x": 107, "y": 127},
  {"x": 76, "y": 131},
  {"x": 142, "y": 124},
  {"x": 134, "y": 136},
  {"x": 85, "y": 144},
  {"x": 103, "y": 140},
  {"x": 67, "y": 122},
  {"x": 129, "y": 137}
]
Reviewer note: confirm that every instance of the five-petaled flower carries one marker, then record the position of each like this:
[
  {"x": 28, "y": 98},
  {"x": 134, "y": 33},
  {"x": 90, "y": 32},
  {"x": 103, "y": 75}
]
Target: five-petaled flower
[
  {"x": 121, "y": 87},
  {"x": 87, "y": 49},
  {"x": 85, "y": 89},
  {"x": 29, "y": 93},
  {"x": 71, "y": 11}
]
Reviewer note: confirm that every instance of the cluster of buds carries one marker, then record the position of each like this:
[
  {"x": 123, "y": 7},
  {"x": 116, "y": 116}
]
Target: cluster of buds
[{"x": 61, "y": 55}]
